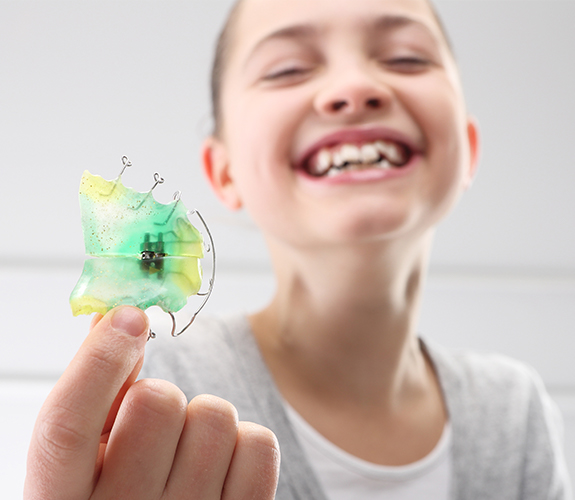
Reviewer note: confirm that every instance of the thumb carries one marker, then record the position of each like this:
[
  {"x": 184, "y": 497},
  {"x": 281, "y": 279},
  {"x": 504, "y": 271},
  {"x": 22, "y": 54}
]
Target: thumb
[{"x": 66, "y": 438}]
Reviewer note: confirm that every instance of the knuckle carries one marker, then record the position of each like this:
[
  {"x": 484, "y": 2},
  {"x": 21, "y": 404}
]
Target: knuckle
[
  {"x": 62, "y": 435},
  {"x": 216, "y": 413},
  {"x": 104, "y": 359},
  {"x": 259, "y": 439},
  {"x": 158, "y": 398}
]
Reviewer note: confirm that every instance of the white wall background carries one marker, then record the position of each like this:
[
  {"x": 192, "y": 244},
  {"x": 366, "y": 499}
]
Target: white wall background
[{"x": 84, "y": 82}]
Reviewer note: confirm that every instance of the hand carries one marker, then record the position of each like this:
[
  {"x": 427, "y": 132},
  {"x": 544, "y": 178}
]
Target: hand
[{"x": 101, "y": 435}]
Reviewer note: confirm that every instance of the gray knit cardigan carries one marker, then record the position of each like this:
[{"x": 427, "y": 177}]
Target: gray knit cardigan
[{"x": 506, "y": 431}]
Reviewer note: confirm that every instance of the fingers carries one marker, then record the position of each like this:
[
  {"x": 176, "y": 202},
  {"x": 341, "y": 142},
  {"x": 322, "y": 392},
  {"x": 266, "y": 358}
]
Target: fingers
[
  {"x": 66, "y": 438},
  {"x": 158, "y": 446},
  {"x": 254, "y": 471},
  {"x": 156, "y": 443},
  {"x": 218, "y": 457},
  {"x": 205, "y": 450},
  {"x": 95, "y": 320},
  {"x": 118, "y": 401},
  {"x": 143, "y": 442}
]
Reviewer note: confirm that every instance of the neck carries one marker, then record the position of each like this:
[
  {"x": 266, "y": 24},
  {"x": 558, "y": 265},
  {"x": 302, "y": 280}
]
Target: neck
[{"x": 353, "y": 337}]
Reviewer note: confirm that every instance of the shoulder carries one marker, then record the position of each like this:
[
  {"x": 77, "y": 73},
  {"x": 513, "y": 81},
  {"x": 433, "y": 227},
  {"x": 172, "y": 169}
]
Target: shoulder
[
  {"x": 506, "y": 426},
  {"x": 492, "y": 383},
  {"x": 495, "y": 387},
  {"x": 474, "y": 371}
]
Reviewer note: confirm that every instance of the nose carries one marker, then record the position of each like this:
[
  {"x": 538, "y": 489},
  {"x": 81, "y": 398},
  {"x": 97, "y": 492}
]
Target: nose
[{"x": 353, "y": 94}]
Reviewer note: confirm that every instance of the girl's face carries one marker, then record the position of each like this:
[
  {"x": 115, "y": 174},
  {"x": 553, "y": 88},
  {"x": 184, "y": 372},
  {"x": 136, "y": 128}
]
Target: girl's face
[{"x": 366, "y": 90}]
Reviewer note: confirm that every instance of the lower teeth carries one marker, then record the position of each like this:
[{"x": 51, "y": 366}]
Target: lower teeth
[{"x": 382, "y": 164}]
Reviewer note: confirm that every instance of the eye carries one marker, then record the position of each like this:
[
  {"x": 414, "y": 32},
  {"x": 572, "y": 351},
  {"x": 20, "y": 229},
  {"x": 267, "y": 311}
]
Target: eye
[
  {"x": 408, "y": 64},
  {"x": 286, "y": 73}
]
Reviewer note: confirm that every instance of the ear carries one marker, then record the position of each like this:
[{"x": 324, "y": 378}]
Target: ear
[
  {"x": 216, "y": 164},
  {"x": 473, "y": 140}
]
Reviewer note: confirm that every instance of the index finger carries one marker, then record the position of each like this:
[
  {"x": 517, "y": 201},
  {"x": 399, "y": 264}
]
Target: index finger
[{"x": 66, "y": 437}]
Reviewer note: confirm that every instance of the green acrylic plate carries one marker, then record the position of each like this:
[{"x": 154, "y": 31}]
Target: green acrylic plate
[{"x": 120, "y": 226}]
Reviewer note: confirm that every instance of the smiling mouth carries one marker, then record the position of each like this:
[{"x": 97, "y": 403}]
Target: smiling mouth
[{"x": 335, "y": 160}]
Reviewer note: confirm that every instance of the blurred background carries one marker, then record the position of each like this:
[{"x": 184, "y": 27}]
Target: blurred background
[{"x": 84, "y": 82}]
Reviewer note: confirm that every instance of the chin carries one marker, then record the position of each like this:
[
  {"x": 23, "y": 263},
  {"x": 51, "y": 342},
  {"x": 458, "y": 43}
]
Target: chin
[{"x": 379, "y": 223}]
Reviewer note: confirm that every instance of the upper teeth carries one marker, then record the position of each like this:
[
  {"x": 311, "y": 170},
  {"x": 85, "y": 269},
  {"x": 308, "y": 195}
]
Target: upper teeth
[
  {"x": 346, "y": 154},
  {"x": 369, "y": 153}
]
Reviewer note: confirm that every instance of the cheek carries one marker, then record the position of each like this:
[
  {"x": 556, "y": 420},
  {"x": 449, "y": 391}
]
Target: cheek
[
  {"x": 439, "y": 111},
  {"x": 442, "y": 116},
  {"x": 260, "y": 177},
  {"x": 259, "y": 129},
  {"x": 262, "y": 110},
  {"x": 449, "y": 171}
]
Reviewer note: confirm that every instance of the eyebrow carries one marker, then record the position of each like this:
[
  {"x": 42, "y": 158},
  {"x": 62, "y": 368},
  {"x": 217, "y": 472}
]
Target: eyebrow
[
  {"x": 391, "y": 22},
  {"x": 306, "y": 31},
  {"x": 296, "y": 32},
  {"x": 388, "y": 23}
]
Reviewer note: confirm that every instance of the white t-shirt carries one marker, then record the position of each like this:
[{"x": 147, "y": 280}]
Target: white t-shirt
[{"x": 346, "y": 477}]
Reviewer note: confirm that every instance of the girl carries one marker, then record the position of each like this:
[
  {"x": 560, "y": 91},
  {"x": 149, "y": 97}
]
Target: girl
[{"x": 341, "y": 127}]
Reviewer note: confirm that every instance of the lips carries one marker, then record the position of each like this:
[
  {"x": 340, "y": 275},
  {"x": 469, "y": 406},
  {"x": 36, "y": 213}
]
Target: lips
[{"x": 357, "y": 149}]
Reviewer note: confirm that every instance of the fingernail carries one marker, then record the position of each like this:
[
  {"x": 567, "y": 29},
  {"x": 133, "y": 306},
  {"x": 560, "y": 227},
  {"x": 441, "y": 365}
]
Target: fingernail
[{"x": 129, "y": 320}]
